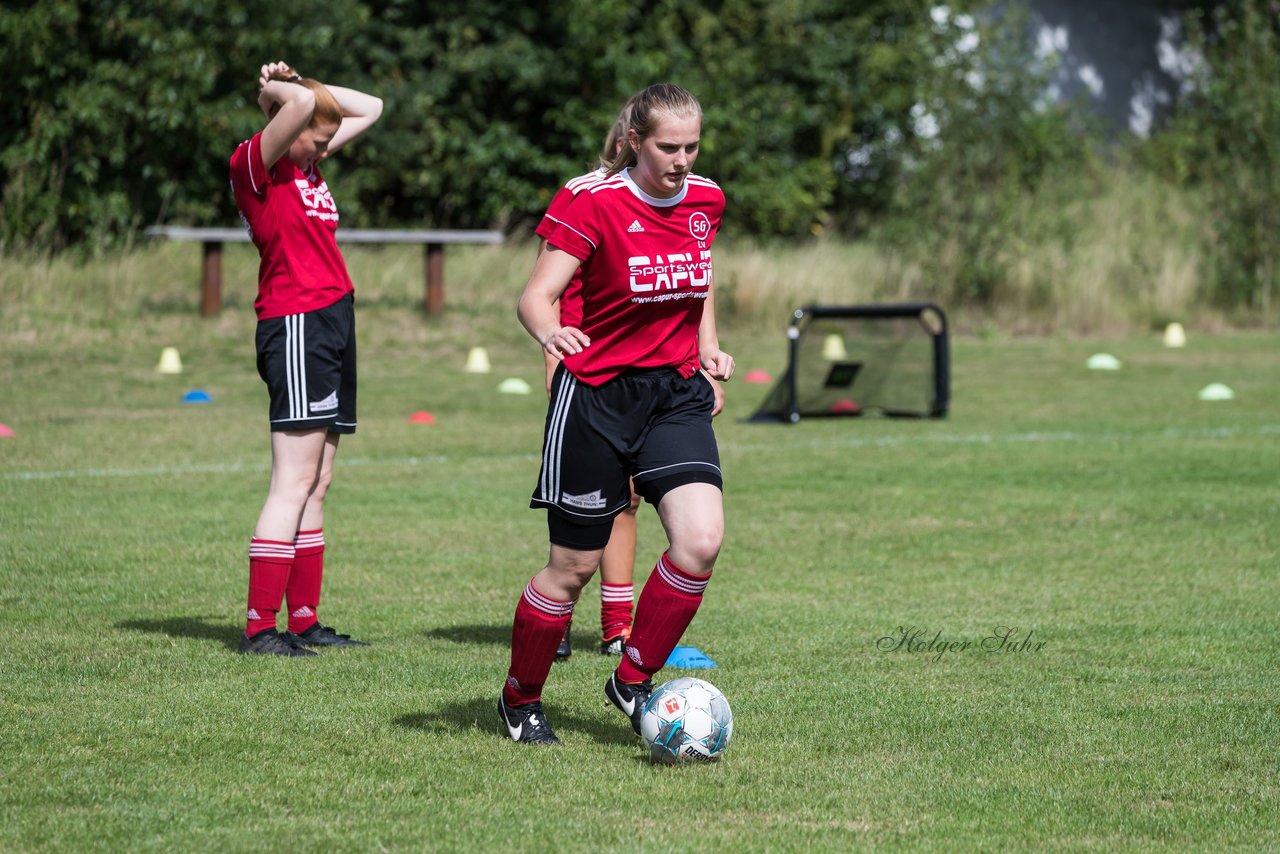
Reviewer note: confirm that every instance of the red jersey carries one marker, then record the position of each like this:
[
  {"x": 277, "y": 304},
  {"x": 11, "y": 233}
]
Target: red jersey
[
  {"x": 646, "y": 269},
  {"x": 292, "y": 219},
  {"x": 571, "y": 299}
]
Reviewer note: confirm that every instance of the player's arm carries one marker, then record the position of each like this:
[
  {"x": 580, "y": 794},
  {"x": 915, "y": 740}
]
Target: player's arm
[
  {"x": 717, "y": 363},
  {"x": 538, "y": 310},
  {"x": 289, "y": 108},
  {"x": 549, "y": 360},
  {"x": 359, "y": 112}
]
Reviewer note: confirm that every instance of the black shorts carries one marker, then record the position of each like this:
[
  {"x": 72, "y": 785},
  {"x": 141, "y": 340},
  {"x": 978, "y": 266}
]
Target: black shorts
[
  {"x": 308, "y": 362},
  {"x": 650, "y": 426}
]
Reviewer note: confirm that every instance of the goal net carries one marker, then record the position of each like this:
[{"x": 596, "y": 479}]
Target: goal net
[{"x": 863, "y": 360}]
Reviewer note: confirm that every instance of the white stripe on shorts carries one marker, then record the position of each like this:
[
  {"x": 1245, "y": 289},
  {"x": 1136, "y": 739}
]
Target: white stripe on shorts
[
  {"x": 555, "y": 439},
  {"x": 295, "y": 365}
]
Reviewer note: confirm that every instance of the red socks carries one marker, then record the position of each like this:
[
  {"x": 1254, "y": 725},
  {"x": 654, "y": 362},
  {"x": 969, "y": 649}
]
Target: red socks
[
  {"x": 615, "y": 610},
  {"x": 539, "y": 624},
  {"x": 667, "y": 604},
  {"x": 269, "y": 562},
  {"x": 279, "y": 570},
  {"x": 303, "y": 589}
]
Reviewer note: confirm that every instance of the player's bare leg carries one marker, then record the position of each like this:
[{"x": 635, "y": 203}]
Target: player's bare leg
[
  {"x": 312, "y": 518},
  {"x": 296, "y": 458},
  {"x": 617, "y": 571},
  {"x": 567, "y": 572},
  {"x": 303, "y": 591}
]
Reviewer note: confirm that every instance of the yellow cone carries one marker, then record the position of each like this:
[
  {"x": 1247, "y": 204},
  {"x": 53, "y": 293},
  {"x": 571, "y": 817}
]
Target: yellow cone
[
  {"x": 477, "y": 361},
  {"x": 833, "y": 348},
  {"x": 1174, "y": 335},
  {"x": 170, "y": 361}
]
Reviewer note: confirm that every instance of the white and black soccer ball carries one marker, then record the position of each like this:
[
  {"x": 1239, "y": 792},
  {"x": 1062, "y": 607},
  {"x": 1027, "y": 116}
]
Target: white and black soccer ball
[{"x": 686, "y": 720}]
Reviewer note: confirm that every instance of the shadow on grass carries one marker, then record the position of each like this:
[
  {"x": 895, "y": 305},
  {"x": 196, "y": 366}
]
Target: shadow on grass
[
  {"x": 200, "y": 628},
  {"x": 500, "y": 635},
  {"x": 482, "y": 714},
  {"x": 475, "y": 634}
]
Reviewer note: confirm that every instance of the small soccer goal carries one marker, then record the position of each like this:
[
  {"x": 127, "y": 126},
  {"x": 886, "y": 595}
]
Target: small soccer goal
[{"x": 858, "y": 360}]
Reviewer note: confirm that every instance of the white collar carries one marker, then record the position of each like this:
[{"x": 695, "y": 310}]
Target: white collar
[{"x": 657, "y": 202}]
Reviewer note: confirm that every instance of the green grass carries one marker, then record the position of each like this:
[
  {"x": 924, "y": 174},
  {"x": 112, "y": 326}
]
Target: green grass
[{"x": 1129, "y": 526}]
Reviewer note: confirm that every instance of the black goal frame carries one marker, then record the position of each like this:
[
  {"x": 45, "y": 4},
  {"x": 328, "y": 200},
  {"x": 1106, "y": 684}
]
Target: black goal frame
[{"x": 931, "y": 317}]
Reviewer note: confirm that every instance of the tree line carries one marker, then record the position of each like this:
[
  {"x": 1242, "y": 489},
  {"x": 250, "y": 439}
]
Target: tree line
[{"x": 918, "y": 122}]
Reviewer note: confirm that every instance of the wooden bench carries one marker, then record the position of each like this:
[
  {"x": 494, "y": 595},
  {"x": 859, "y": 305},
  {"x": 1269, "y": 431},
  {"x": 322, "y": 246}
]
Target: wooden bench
[{"x": 433, "y": 243}]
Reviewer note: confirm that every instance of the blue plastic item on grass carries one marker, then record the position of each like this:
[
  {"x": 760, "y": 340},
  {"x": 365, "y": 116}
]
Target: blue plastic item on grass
[
  {"x": 198, "y": 395},
  {"x": 690, "y": 657}
]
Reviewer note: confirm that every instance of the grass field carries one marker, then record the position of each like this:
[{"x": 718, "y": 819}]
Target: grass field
[{"x": 1132, "y": 531}]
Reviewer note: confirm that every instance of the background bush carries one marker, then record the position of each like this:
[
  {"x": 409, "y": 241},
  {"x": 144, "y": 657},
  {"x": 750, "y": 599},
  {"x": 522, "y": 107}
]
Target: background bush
[
  {"x": 125, "y": 116},
  {"x": 1223, "y": 143}
]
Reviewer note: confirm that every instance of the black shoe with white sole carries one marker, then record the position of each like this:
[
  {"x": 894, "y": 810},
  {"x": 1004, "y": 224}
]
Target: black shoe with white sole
[
  {"x": 526, "y": 722},
  {"x": 628, "y": 697}
]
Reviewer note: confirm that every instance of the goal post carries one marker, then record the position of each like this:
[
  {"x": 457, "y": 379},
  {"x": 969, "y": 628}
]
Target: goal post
[{"x": 849, "y": 361}]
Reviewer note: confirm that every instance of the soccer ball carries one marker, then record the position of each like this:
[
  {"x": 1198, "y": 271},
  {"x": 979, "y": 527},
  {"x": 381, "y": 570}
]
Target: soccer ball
[{"x": 686, "y": 720}]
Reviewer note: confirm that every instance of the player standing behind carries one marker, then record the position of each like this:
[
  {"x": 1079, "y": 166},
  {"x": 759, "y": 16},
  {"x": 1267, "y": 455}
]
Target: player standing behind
[
  {"x": 628, "y": 401},
  {"x": 306, "y": 342}
]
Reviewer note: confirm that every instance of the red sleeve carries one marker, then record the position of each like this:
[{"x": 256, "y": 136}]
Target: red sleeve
[
  {"x": 248, "y": 171},
  {"x": 579, "y": 230},
  {"x": 555, "y": 212}
]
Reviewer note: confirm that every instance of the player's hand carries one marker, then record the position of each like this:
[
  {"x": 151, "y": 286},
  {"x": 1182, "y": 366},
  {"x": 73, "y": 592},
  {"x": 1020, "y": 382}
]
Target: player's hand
[
  {"x": 566, "y": 341},
  {"x": 718, "y": 391},
  {"x": 268, "y": 72},
  {"x": 717, "y": 363}
]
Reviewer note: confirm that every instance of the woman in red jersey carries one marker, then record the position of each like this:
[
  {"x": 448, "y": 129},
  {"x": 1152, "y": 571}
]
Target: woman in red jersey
[
  {"x": 306, "y": 342},
  {"x": 629, "y": 400},
  {"x": 617, "y": 564}
]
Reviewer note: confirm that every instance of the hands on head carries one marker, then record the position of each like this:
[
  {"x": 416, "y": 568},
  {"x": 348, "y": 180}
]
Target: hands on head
[{"x": 274, "y": 71}]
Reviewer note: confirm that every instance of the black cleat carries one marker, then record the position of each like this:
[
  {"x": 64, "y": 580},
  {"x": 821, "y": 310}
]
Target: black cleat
[
  {"x": 564, "y": 650},
  {"x": 526, "y": 722},
  {"x": 629, "y": 699},
  {"x": 614, "y": 646},
  {"x": 271, "y": 642},
  {"x": 319, "y": 635}
]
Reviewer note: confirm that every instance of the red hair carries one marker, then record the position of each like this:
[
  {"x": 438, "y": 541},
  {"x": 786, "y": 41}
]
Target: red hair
[{"x": 327, "y": 111}]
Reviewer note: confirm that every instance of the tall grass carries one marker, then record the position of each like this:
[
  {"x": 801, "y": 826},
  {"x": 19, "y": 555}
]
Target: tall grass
[
  {"x": 1131, "y": 261},
  {"x": 1125, "y": 259}
]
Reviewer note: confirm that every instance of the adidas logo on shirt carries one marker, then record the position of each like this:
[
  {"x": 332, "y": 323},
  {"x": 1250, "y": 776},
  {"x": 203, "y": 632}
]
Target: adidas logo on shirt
[{"x": 635, "y": 227}]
